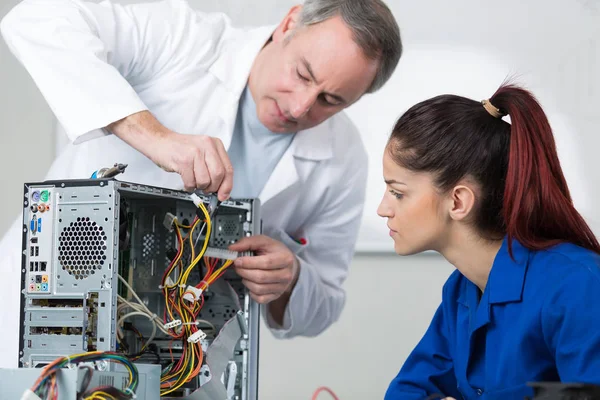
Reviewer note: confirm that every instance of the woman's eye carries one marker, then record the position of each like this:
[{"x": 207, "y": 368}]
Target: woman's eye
[{"x": 396, "y": 194}]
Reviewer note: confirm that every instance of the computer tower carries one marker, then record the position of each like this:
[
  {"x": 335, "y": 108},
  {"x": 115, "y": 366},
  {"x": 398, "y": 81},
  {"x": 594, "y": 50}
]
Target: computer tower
[{"x": 79, "y": 236}]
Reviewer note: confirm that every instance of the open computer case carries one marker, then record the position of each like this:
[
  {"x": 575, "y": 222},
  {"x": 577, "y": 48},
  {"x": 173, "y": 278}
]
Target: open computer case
[{"x": 112, "y": 266}]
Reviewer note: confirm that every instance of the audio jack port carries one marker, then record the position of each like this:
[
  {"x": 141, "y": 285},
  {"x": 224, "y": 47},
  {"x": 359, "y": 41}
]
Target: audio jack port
[
  {"x": 34, "y": 208},
  {"x": 42, "y": 208}
]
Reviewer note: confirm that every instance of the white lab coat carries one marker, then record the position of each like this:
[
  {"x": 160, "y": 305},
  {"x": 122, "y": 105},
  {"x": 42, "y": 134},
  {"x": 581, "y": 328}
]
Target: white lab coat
[{"x": 98, "y": 63}]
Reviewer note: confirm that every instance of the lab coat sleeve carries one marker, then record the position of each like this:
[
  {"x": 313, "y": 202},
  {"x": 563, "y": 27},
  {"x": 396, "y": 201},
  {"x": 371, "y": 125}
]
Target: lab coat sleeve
[
  {"x": 571, "y": 326},
  {"x": 429, "y": 368},
  {"x": 318, "y": 298},
  {"x": 86, "y": 58}
]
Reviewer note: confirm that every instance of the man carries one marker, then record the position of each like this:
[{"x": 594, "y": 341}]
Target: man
[{"x": 160, "y": 84}]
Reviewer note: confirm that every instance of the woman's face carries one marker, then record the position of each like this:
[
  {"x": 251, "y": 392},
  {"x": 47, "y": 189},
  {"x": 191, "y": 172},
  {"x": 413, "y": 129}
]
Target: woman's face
[{"x": 414, "y": 209}]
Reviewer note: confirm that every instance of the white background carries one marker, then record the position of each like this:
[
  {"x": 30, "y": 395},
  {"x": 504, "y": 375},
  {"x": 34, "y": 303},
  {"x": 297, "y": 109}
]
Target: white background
[{"x": 464, "y": 47}]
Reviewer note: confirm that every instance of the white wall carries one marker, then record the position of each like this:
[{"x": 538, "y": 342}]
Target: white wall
[
  {"x": 390, "y": 299},
  {"x": 26, "y": 131}
]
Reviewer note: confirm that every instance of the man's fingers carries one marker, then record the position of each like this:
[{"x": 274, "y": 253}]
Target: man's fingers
[
  {"x": 252, "y": 243},
  {"x": 263, "y": 294},
  {"x": 262, "y": 290},
  {"x": 264, "y": 277},
  {"x": 215, "y": 167},
  {"x": 264, "y": 264},
  {"x": 189, "y": 181},
  {"x": 264, "y": 299},
  {"x": 201, "y": 173},
  {"x": 267, "y": 262},
  {"x": 227, "y": 183}
]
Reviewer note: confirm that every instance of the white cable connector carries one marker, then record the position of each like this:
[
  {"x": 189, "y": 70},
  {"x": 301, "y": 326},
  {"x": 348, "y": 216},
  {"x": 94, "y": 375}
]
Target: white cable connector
[
  {"x": 168, "y": 283},
  {"x": 172, "y": 324},
  {"x": 194, "y": 295},
  {"x": 223, "y": 254},
  {"x": 29, "y": 395},
  {"x": 197, "y": 336},
  {"x": 131, "y": 393},
  {"x": 168, "y": 221},
  {"x": 195, "y": 199}
]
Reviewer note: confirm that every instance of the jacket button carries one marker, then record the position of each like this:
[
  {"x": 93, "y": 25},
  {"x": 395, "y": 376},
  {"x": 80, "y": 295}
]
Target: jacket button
[{"x": 479, "y": 392}]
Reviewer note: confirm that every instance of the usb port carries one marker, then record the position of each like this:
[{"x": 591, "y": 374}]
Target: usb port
[
  {"x": 32, "y": 251},
  {"x": 37, "y": 251},
  {"x": 34, "y": 240},
  {"x": 31, "y": 264}
]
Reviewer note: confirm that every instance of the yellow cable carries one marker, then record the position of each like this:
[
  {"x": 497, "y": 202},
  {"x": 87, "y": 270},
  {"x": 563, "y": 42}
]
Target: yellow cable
[
  {"x": 190, "y": 355},
  {"x": 179, "y": 255},
  {"x": 179, "y": 372},
  {"x": 214, "y": 276},
  {"x": 99, "y": 353},
  {"x": 191, "y": 239},
  {"x": 186, "y": 363},
  {"x": 181, "y": 382},
  {"x": 184, "y": 277},
  {"x": 96, "y": 395}
]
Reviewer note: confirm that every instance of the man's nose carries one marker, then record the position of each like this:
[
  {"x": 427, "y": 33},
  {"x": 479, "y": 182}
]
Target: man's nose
[{"x": 303, "y": 103}]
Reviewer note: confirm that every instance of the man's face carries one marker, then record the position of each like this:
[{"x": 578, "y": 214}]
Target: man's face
[{"x": 306, "y": 75}]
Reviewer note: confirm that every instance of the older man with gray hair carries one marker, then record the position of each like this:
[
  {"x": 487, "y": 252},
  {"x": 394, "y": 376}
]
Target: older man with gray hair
[{"x": 186, "y": 99}]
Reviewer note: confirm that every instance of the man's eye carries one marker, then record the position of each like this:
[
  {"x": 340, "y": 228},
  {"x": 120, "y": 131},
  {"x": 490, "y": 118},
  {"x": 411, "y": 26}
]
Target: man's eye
[
  {"x": 329, "y": 101},
  {"x": 301, "y": 76}
]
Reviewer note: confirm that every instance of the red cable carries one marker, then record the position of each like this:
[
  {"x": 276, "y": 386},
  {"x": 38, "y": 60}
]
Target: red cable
[{"x": 324, "y": 389}]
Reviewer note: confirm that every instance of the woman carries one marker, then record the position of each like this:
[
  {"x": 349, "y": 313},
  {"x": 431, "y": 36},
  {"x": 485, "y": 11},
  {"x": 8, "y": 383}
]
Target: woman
[{"x": 524, "y": 302}]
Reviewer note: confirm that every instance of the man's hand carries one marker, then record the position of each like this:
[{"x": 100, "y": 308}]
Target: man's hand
[
  {"x": 271, "y": 273},
  {"x": 202, "y": 161}
]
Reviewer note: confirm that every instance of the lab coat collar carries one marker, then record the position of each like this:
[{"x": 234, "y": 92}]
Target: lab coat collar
[
  {"x": 312, "y": 145},
  {"x": 315, "y": 143},
  {"x": 232, "y": 68},
  {"x": 235, "y": 60}
]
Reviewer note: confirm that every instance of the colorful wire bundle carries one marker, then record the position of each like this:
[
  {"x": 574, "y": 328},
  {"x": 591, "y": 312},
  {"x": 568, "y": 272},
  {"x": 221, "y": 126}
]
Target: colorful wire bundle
[
  {"x": 45, "y": 386},
  {"x": 178, "y": 307}
]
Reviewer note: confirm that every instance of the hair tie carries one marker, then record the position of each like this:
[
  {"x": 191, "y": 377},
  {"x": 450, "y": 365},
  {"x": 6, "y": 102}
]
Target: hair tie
[{"x": 491, "y": 109}]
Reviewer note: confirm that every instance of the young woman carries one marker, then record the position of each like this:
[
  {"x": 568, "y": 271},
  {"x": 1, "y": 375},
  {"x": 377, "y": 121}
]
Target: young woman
[{"x": 490, "y": 196}]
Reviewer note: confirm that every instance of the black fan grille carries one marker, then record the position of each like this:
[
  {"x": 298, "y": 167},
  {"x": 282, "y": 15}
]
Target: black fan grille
[{"x": 82, "y": 248}]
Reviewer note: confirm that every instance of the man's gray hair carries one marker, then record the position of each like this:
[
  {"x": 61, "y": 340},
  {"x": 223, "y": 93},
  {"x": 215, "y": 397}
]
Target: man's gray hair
[{"x": 374, "y": 27}]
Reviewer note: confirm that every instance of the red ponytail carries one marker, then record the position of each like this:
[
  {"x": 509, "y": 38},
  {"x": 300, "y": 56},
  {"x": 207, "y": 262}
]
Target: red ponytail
[{"x": 538, "y": 210}]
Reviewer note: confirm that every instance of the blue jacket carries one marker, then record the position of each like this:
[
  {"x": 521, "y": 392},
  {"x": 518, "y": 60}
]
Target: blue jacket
[{"x": 538, "y": 320}]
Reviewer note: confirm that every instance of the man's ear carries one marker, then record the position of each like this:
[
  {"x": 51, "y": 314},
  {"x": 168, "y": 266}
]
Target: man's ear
[
  {"x": 462, "y": 201},
  {"x": 288, "y": 24}
]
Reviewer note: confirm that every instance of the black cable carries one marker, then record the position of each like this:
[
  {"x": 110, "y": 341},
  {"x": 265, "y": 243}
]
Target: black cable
[
  {"x": 152, "y": 349},
  {"x": 87, "y": 379}
]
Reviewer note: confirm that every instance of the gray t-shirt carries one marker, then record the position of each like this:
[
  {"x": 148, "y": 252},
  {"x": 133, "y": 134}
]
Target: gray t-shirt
[{"x": 254, "y": 150}]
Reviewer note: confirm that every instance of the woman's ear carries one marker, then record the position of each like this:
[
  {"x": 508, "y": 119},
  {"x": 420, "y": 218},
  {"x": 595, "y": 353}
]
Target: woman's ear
[
  {"x": 462, "y": 201},
  {"x": 288, "y": 24}
]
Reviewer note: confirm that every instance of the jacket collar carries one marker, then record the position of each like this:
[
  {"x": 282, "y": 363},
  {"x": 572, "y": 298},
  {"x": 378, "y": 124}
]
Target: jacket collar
[
  {"x": 232, "y": 67},
  {"x": 506, "y": 280},
  {"x": 504, "y": 285},
  {"x": 507, "y": 277}
]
